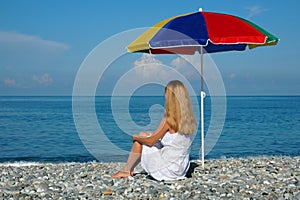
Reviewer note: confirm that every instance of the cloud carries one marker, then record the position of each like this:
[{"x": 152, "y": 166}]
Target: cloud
[
  {"x": 149, "y": 67},
  {"x": 185, "y": 65},
  {"x": 232, "y": 76},
  {"x": 14, "y": 39},
  {"x": 255, "y": 10},
  {"x": 29, "y": 50},
  {"x": 44, "y": 79},
  {"x": 27, "y": 82},
  {"x": 178, "y": 63},
  {"x": 9, "y": 82}
]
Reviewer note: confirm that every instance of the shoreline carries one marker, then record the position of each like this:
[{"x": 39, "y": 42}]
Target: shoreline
[
  {"x": 20, "y": 163},
  {"x": 264, "y": 177}
]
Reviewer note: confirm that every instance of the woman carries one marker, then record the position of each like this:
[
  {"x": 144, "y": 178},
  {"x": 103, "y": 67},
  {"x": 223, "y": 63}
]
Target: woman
[{"x": 164, "y": 154}]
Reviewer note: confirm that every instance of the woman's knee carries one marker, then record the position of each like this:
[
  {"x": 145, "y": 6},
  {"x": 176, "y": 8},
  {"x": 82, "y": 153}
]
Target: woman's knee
[{"x": 145, "y": 134}]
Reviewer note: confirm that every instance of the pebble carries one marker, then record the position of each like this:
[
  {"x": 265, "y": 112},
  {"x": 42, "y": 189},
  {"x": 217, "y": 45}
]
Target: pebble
[
  {"x": 239, "y": 178},
  {"x": 107, "y": 192}
]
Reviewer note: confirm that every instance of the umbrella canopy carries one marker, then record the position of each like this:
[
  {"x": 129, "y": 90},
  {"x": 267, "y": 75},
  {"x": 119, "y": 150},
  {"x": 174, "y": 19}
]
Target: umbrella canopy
[
  {"x": 215, "y": 32},
  {"x": 205, "y": 32}
]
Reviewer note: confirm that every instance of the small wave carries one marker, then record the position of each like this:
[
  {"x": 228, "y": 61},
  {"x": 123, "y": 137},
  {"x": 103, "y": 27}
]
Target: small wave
[{"x": 28, "y": 164}]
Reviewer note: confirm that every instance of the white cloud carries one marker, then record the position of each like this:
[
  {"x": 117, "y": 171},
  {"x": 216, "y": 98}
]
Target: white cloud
[
  {"x": 185, "y": 64},
  {"x": 19, "y": 49},
  {"x": 9, "y": 82},
  {"x": 232, "y": 76},
  {"x": 149, "y": 67},
  {"x": 44, "y": 79},
  {"x": 12, "y": 39},
  {"x": 255, "y": 10},
  {"x": 178, "y": 63}
]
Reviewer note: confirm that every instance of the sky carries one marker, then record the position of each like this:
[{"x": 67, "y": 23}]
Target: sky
[{"x": 43, "y": 45}]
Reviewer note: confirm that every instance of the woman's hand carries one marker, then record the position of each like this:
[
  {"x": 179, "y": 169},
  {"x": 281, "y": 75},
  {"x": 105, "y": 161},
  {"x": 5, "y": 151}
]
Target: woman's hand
[
  {"x": 135, "y": 137},
  {"x": 149, "y": 138}
]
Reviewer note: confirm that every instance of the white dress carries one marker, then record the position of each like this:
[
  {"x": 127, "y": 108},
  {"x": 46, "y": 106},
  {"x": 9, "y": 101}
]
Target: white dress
[{"x": 168, "y": 159}]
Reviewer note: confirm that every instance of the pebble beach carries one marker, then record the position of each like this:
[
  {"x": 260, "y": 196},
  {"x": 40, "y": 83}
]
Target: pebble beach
[{"x": 236, "y": 178}]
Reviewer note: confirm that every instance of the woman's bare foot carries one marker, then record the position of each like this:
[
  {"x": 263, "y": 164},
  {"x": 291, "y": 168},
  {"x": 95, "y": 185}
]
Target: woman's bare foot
[{"x": 122, "y": 174}]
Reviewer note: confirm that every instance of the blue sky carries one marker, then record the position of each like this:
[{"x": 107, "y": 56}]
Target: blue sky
[{"x": 43, "y": 43}]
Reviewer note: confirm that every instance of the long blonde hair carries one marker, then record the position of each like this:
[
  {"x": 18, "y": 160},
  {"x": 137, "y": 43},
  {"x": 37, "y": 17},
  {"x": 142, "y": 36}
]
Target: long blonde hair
[{"x": 178, "y": 109}]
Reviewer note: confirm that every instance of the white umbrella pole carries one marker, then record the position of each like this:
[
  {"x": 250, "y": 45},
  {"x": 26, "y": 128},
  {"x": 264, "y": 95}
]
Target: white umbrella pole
[{"x": 202, "y": 96}]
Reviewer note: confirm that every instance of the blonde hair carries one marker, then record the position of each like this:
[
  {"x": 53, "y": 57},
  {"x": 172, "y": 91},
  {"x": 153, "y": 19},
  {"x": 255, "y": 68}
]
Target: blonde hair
[{"x": 178, "y": 109}]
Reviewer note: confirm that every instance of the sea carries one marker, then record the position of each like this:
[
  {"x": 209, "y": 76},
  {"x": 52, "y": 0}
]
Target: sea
[{"x": 43, "y": 129}]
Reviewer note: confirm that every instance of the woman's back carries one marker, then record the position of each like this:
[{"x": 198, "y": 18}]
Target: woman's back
[{"x": 171, "y": 162}]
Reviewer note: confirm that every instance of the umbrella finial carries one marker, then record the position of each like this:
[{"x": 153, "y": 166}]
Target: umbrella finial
[{"x": 200, "y": 9}]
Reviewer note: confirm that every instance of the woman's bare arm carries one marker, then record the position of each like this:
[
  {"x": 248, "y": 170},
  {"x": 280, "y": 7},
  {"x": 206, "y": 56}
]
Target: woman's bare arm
[{"x": 150, "y": 140}]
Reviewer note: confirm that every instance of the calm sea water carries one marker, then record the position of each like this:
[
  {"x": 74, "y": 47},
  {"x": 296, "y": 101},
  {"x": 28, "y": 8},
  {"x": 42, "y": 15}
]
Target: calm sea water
[{"x": 43, "y": 129}]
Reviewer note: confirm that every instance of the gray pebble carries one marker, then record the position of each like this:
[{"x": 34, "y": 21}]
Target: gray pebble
[{"x": 249, "y": 178}]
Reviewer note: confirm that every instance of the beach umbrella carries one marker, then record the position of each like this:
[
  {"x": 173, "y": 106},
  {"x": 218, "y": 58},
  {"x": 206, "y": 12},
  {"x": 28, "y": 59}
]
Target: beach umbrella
[{"x": 203, "y": 32}]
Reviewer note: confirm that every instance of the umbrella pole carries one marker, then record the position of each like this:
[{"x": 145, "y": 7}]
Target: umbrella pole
[{"x": 202, "y": 96}]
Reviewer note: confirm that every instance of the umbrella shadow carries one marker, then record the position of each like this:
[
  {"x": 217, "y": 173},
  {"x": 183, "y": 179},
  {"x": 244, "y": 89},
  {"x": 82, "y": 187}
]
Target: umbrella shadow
[
  {"x": 189, "y": 173},
  {"x": 191, "y": 169}
]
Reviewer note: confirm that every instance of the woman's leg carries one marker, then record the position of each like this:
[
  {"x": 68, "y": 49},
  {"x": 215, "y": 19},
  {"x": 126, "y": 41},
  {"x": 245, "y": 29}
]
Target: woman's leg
[{"x": 132, "y": 161}]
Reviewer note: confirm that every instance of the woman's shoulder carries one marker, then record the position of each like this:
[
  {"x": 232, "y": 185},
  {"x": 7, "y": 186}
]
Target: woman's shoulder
[
  {"x": 165, "y": 123},
  {"x": 168, "y": 126}
]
